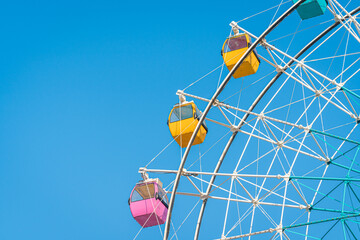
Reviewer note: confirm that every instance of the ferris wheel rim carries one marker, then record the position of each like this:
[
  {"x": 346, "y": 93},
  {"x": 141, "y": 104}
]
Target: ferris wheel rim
[
  {"x": 189, "y": 146},
  {"x": 216, "y": 94},
  {"x": 229, "y": 143}
]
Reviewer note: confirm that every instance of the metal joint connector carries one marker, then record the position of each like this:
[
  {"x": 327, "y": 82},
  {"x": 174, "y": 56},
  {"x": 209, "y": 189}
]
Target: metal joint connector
[
  {"x": 143, "y": 173},
  {"x": 203, "y": 196},
  {"x": 261, "y": 116},
  {"x": 279, "y": 229},
  {"x": 287, "y": 177},
  {"x": 318, "y": 93},
  {"x": 234, "y": 128},
  {"x": 279, "y": 69},
  {"x": 307, "y": 129},
  {"x": 338, "y": 18},
  {"x": 280, "y": 144},
  {"x": 234, "y": 27},
  {"x": 264, "y": 43}
]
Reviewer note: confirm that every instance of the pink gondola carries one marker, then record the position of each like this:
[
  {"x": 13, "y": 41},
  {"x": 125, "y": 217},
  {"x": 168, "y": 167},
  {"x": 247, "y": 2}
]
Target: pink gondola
[{"x": 149, "y": 203}]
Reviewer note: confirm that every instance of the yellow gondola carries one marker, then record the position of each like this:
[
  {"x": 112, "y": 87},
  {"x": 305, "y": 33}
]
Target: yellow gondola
[
  {"x": 182, "y": 122},
  {"x": 233, "y": 49}
]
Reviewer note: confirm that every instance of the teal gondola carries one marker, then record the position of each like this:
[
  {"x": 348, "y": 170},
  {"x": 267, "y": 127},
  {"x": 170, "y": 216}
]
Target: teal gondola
[{"x": 311, "y": 8}]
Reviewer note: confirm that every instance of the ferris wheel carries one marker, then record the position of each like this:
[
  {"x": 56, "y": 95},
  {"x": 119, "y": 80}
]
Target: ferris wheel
[{"x": 275, "y": 151}]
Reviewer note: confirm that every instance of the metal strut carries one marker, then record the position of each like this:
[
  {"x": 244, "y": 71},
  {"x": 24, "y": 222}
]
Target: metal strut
[
  {"x": 308, "y": 46},
  {"x": 203, "y": 116}
]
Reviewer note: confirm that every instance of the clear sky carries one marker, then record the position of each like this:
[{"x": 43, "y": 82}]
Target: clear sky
[{"x": 86, "y": 88}]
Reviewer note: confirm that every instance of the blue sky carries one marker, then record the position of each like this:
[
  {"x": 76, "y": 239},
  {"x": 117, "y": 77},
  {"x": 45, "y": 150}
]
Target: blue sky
[
  {"x": 79, "y": 81},
  {"x": 86, "y": 89}
]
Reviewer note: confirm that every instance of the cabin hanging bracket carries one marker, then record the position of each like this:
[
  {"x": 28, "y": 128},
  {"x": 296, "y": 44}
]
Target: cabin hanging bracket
[
  {"x": 182, "y": 98},
  {"x": 234, "y": 27},
  {"x": 144, "y": 174}
]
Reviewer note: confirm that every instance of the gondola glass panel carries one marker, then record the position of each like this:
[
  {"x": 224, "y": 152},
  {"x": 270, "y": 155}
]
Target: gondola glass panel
[
  {"x": 233, "y": 49},
  {"x": 148, "y": 204},
  {"x": 182, "y": 122}
]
